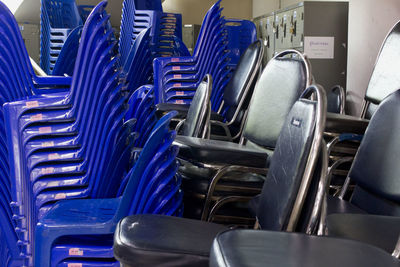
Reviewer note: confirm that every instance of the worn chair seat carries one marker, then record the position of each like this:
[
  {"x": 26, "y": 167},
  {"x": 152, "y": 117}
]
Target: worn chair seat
[
  {"x": 380, "y": 231},
  {"x": 140, "y": 240},
  {"x": 265, "y": 248},
  {"x": 220, "y": 152}
]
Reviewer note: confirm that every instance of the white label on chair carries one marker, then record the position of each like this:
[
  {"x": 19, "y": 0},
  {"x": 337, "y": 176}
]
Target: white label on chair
[
  {"x": 48, "y": 144},
  {"x": 319, "y": 47},
  {"x": 177, "y": 76},
  {"x": 74, "y": 264},
  {"x": 176, "y": 68},
  {"x": 49, "y": 170},
  {"x": 60, "y": 196},
  {"x": 180, "y": 93},
  {"x": 45, "y": 129},
  {"x": 179, "y": 102},
  {"x": 32, "y": 104},
  {"x": 54, "y": 156},
  {"x": 75, "y": 252},
  {"x": 174, "y": 59},
  {"x": 177, "y": 85},
  {"x": 36, "y": 117}
]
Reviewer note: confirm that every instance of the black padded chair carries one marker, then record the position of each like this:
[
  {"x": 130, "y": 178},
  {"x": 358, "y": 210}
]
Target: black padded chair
[
  {"x": 376, "y": 168},
  {"x": 236, "y": 94},
  {"x": 376, "y": 174},
  {"x": 155, "y": 240},
  {"x": 211, "y": 162},
  {"x": 247, "y": 248},
  {"x": 197, "y": 120}
]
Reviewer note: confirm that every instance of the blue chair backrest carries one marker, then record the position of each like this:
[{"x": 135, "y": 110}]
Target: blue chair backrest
[
  {"x": 160, "y": 131},
  {"x": 67, "y": 57},
  {"x": 62, "y": 13}
]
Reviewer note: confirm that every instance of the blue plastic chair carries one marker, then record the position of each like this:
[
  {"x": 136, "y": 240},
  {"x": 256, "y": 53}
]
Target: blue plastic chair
[
  {"x": 218, "y": 49},
  {"x": 165, "y": 28},
  {"x": 27, "y": 212},
  {"x": 66, "y": 59},
  {"x": 97, "y": 216},
  {"x": 58, "y": 18}
]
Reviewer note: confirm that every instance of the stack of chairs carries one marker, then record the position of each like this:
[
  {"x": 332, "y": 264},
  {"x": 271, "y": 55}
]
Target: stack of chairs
[
  {"x": 137, "y": 69},
  {"x": 176, "y": 78},
  {"x": 165, "y": 27},
  {"x": 142, "y": 108},
  {"x": 66, "y": 59},
  {"x": 72, "y": 141},
  {"x": 58, "y": 18},
  {"x": 17, "y": 81},
  {"x": 240, "y": 32}
]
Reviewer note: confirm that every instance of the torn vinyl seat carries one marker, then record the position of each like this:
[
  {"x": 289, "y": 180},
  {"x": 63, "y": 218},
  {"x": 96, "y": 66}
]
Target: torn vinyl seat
[
  {"x": 236, "y": 96},
  {"x": 286, "y": 199},
  {"x": 208, "y": 160},
  {"x": 249, "y": 248}
]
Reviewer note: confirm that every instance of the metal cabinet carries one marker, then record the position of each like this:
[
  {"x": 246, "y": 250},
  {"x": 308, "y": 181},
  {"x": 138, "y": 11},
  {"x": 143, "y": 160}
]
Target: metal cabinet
[
  {"x": 266, "y": 32},
  {"x": 190, "y": 32},
  {"x": 319, "y": 29}
]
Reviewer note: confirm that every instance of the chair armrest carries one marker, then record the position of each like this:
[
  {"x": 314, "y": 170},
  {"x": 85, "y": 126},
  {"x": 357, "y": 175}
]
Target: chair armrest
[
  {"x": 138, "y": 242},
  {"x": 215, "y": 152},
  {"x": 164, "y": 108},
  {"x": 339, "y": 123}
]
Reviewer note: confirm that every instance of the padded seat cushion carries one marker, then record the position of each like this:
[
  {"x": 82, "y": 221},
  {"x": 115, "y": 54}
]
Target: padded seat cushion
[
  {"x": 340, "y": 123},
  {"x": 336, "y": 205},
  {"x": 156, "y": 240},
  {"x": 264, "y": 248},
  {"x": 380, "y": 231},
  {"x": 220, "y": 152}
]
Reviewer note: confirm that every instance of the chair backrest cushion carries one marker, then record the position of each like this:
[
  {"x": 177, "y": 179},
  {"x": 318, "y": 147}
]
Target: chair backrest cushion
[
  {"x": 287, "y": 167},
  {"x": 235, "y": 90},
  {"x": 376, "y": 167},
  {"x": 280, "y": 85},
  {"x": 385, "y": 78},
  {"x": 196, "y": 116}
]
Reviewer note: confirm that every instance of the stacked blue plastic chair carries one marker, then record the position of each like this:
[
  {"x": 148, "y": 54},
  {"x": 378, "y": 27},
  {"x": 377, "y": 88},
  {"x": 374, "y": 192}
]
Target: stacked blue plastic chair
[
  {"x": 51, "y": 157},
  {"x": 142, "y": 108},
  {"x": 17, "y": 81},
  {"x": 57, "y": 19},
  {"x": 152, "y": 188},
  {"x": 75, "y": 144},
  {"x": 137, "y": 69},
  {"x": 66, "y": 59},
  {"x": 139, "y": 15},
  {"x": 176, "y": 78}
]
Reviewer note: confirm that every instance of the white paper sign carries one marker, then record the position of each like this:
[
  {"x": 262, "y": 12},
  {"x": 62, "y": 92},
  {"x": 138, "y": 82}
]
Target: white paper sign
[{"x": 319, "y": 47}]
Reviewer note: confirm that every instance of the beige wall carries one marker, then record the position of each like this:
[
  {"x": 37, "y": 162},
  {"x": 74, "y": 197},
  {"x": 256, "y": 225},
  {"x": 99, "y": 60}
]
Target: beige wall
[
  {"x": 193, "y": 11},
  {"x": 261, "y": 7},
  {"x": 369, "y": 22}
]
